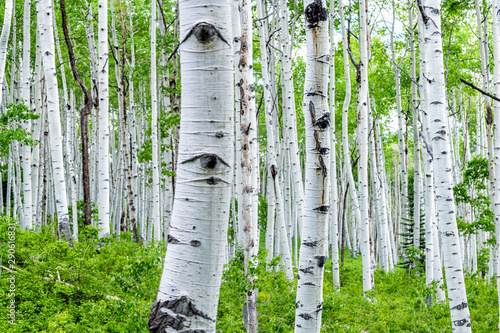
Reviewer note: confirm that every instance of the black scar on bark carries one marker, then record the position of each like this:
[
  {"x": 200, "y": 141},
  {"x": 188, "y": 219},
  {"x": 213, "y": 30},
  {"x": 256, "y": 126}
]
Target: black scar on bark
[
  {"x": 219, "y": 134},
  {"x": 204, "y": 32},
  {"x": 195, "y": 243},
  {"x": 307, "y": 270},
  {"x": 318, "y": 148},
  {"x": 160, "y": 319},
  {"x": 208, "y": 161},
  {"x": 246, "y": 130},
  {"x": 172, "y": 240},
  {"x": 322, "y": 209},
  {"x": 311, "y": 243},
  {"x": 460, "y": 322},
  {"x": 306, "y": 316},
  {"x": 460, "y": 306},
  {"x": 213, "y": 181},
  {"x": 273, "y": 171},
  {"x": 321, "y": 260},
  {"x": 323, "y": 121},
  {"x": 309, "y": 284},
  {"x": 315, "y": 12},
  {"x": 322, "y": 166},
  {"x": 194, "y": 331}
]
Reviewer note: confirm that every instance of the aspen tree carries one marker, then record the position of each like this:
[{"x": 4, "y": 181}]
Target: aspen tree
[
  {"x": 26, "y": 149},
  {"x": 363, "y": 110},
  {"x": 334, "y": 241},
  {"x": 314, "y": 237},
  {"x": 155, "y": 213},
  {"x": 201, "y": 205},
  {"x": 496, "y": 108},
  {"x": 103, "y": 176},
  {"x": 416, "y": 141},
  {"x": 4, "y": 39},
  {"x": 249, "y": 160},
  {"x": 345, "y": 116},
  {"x": 439, "y": 135},
  {"x": 274, "y": 184},
  {"x": 46, "y": 34},
  {"x": 290, "y": 114}
]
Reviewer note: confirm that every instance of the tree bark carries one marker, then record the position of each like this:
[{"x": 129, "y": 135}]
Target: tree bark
[
  {"x": 198, "y": 233},
  {"x": 314, "y": 237},
  {"x": 440, "y": 136}
]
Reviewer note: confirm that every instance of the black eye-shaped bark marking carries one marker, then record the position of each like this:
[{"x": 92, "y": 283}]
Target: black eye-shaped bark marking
[
  {"x": 315, "y": 12},
  {"x": 322, "y": 209},
  {"x": 205, "y": 33},
  {"x": 195, "y": 243},
  {"x": 207, "y": 160}
]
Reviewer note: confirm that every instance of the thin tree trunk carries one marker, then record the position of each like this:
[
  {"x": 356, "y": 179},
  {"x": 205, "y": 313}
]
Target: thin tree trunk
[
  {"x": 496, "y": 108},
  {"x": 362, "y": 107},
  {"x": 155, "y": 213},
  {"x": 103, "y": 176},
  {"x": 445, "y": 202},
  {"x": 44, "y": 17},
  {"x": 84, "y": 113},
  {"x": 4, "y": 39}
]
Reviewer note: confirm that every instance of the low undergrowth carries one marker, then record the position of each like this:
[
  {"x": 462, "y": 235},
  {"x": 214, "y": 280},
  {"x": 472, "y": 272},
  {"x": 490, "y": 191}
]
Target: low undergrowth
[{"x": 109, "y": 286}]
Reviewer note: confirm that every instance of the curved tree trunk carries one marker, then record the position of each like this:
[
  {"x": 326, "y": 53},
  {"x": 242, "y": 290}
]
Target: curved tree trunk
[{"x": 198, "y": 233}]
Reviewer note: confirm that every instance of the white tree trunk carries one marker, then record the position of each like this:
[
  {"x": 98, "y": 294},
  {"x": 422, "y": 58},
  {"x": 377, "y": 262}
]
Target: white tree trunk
[
  {"x": 439, "y": 132},
  {"x": 45, "y": 29},
  {"x": 103, "y": 176},
  {"x": 4, "y": 39},
  {"x": 363, "y": 128},
  {"x": 334, "y": 224},
  {"x": 198, "y": 233},
  {"x": 155, "y": 213},
  {"x": 496, "y": 108},
  {"x": 249, "y": 159},
  {"x": 345, "y": 134},
  {"x": 26, "y": 96},
  {"x": 314, "y": 240}
]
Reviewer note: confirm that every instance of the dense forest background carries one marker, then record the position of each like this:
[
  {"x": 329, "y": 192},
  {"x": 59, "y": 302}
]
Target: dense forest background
[{"x": 328, "y": 201}]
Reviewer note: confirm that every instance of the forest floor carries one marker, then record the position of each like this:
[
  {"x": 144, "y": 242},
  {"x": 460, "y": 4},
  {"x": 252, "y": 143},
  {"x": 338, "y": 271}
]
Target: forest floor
[{"x": 109, "y": 287}]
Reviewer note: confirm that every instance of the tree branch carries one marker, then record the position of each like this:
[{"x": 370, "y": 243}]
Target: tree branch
[{"x": 480, "y": 90}]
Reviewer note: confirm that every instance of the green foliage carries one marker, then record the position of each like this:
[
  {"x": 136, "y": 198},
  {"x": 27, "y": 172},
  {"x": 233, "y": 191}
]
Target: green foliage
[
  {"x": 10, "y": 127},
  {"x": 473, "y": 192},
  {"x": 63, "y": 289},
  {"x": 85, "y": 231},
  {"x": 275, "y": 299}
]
